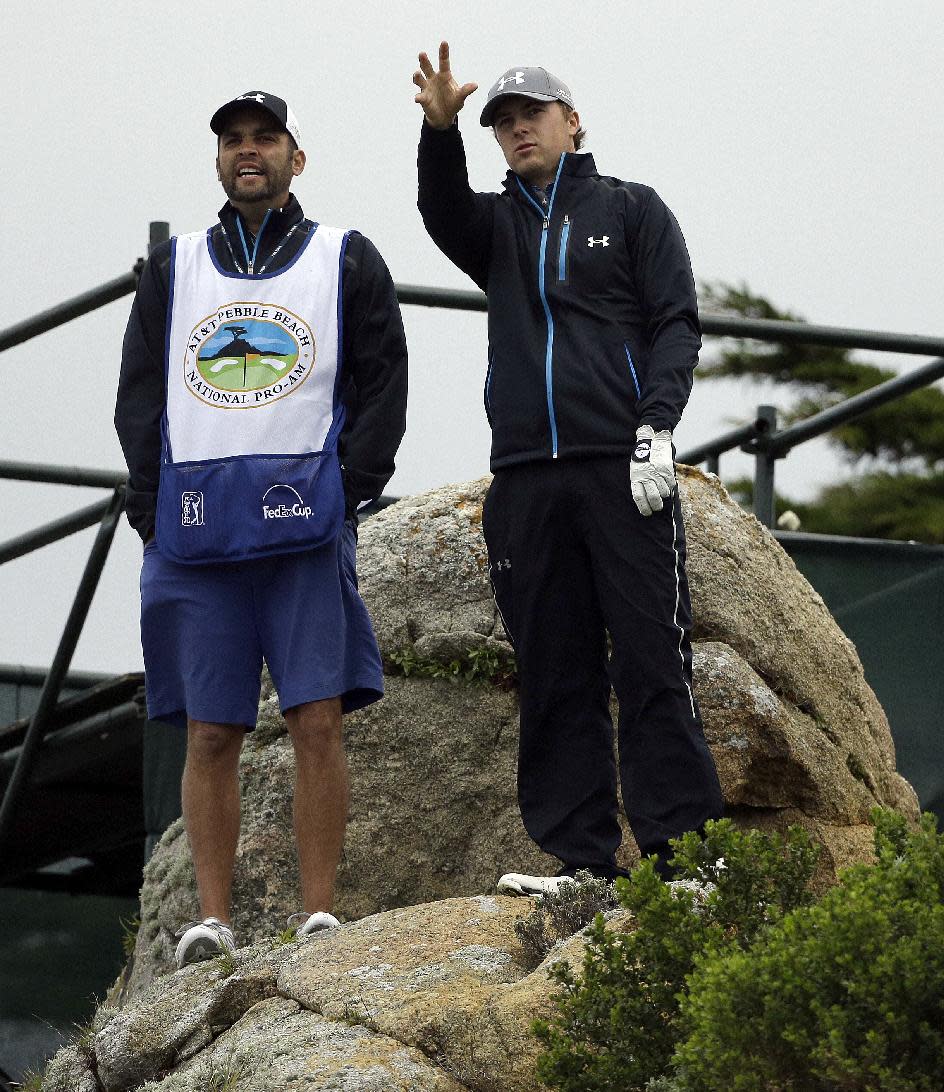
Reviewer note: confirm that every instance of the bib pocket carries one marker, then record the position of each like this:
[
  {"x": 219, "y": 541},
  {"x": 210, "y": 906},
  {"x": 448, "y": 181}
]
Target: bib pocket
[{"x": 248, "y": 506}]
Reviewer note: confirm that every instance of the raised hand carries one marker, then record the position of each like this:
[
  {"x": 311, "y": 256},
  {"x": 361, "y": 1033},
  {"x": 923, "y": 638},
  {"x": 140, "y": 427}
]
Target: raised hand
[{"x": 440, "y": 96}]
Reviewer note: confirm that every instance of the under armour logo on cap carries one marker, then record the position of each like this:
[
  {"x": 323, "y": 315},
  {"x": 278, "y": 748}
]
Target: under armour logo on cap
[
  {"x": 514, "y": 77},
  {"x": 277, "y": 107},
  {"x": 532, "y": 83}
]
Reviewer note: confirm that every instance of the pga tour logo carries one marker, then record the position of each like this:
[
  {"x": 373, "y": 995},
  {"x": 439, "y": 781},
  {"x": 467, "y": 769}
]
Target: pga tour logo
[
  {"x": 288, "y": 505},
  {"x": 191, "y": 509}
]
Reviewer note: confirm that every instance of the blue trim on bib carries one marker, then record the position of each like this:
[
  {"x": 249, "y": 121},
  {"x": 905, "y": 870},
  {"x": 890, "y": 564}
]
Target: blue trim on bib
[
  {"x": 337, "y": 373},
  {"x": 171, "y": 287},
  {"x": 166, "y": 455},
  {"x": 257, "y": 276}
]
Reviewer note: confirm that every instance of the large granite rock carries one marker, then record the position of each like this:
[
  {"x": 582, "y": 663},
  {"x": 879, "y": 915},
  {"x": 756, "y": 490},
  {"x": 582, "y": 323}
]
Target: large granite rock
[
  {"x": 797, "y": 734},
  {"x": 431, "y": 998}
]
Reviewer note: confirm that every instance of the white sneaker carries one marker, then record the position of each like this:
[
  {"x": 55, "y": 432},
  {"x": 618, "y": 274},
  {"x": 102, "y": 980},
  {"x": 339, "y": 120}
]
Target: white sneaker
[
  {"x": 312, "y": 923},
  {"x": 517, "y": 883},
  {"x": 201, "y": 940}
]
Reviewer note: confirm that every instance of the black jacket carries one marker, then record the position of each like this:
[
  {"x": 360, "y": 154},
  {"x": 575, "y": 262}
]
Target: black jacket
[
  {"x": 592, "y": 317},
  {"x": 373, "y": 361}
]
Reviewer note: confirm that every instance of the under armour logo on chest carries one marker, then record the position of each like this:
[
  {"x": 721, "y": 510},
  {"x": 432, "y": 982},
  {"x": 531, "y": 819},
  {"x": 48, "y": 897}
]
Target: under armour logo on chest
[
  {"x": 516, "y": 77},
  {"x": 605, "y": 241}
]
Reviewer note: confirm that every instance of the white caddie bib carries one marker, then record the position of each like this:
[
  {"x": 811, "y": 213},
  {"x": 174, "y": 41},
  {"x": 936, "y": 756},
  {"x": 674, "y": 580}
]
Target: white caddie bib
[{"x": 249, "y": 463}]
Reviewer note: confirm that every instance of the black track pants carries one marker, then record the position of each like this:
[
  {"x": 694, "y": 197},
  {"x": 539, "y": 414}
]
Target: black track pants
[{"x": 571, "y": 560}]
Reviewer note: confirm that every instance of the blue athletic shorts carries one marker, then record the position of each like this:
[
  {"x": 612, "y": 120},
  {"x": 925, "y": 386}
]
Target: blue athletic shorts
[{"x": 206, "y": 629}]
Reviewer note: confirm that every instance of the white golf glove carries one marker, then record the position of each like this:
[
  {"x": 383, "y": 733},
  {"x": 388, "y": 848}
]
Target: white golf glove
[{"x": 652, "y": 470}]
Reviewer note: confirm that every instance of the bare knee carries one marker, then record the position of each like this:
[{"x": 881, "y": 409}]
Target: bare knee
[
  {"x": 214, "y": 744},
  {"x": 315, "y": 727}
]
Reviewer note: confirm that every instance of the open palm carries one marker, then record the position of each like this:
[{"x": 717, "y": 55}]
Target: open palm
[{"x": 439, "y": 95}]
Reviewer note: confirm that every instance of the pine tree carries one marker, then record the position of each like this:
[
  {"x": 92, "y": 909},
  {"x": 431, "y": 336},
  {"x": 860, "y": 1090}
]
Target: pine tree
[{"x": 895, "y": 454}]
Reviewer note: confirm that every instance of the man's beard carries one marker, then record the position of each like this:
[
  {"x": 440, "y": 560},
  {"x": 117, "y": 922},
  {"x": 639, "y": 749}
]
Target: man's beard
[{"x": 276, "y": 180}]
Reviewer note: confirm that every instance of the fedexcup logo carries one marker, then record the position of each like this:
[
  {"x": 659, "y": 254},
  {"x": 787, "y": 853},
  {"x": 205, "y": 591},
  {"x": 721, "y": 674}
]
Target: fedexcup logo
[
  {"x": 246, "y": 355},
  {"x": 284, "y": 505}
]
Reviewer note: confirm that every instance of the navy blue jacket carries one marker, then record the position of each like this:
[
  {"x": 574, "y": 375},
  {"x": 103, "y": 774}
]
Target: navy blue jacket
[
  {"x": 592, "y": 317},
  {"x": 373, "y": 360}
]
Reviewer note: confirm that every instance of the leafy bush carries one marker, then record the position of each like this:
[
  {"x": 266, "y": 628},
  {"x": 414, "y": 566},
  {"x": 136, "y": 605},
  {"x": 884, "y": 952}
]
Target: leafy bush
[
  {"x": 484, "y": 664},
  {"x": 618, "y": 1021},
  {"x": 846, "y": 994},
  {"x": 557, "y": 916}
]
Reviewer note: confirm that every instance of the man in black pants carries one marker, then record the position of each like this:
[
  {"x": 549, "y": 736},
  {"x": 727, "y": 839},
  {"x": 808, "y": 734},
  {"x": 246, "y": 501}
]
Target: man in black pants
[{"x": 593, "y": 339}]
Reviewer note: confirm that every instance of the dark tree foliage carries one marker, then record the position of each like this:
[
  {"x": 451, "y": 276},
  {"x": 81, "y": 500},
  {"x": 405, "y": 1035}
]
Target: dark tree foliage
[{"x": 897, "y": 449}]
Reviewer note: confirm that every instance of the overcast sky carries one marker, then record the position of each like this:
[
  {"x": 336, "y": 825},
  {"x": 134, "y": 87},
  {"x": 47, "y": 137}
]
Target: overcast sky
[{"x": 798, "y": 144}]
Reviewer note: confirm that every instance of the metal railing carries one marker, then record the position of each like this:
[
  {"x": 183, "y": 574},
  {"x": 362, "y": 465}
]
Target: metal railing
[
  {"x": 49, "y": 695},
  {"x": 105, "y": 513},
  {"x": 760, "y": 438}
]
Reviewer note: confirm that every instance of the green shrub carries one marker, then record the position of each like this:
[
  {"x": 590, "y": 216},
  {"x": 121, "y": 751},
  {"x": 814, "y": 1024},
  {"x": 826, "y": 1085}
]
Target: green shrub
[
  {"x": 485, "y": 664},
  {"x": 618, "y": 1020},
  {"x": 846, "y": 994},
  {"x": 562, "y": 913}
]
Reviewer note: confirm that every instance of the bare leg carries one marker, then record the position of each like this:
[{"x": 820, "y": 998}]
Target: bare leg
[
  {"x": 321, "y": 797},
  {"x": 210, "y": 796}
]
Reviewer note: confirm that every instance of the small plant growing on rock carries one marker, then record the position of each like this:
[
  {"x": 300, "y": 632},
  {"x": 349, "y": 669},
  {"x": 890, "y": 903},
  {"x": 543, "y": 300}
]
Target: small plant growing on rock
[
  {"x": 357, "y": 1013},
  {"x": 483, "y": 664},
  {"x": 618, "y": 1019},
  {"x": 557, "y": 916},
  {"x": 129, "y": 934},
  {"x": 225, "y": 1074},
  {"x": 226, "y": 962},
  {"x": 460, "y": 1051}
]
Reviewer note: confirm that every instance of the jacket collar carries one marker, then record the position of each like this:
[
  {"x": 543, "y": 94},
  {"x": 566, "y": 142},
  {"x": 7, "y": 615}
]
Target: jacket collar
[
  {"x": 576, "y": 165},
  {"x": 275, "y": 230},
  {"x": 278, "y": 222}
]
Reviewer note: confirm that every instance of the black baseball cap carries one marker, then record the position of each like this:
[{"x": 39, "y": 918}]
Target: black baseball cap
[
  {"x": 277, "y": 107},
  {"x": 532, "y": 83}
]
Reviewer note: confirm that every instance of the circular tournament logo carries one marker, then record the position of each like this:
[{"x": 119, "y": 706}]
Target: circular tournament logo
[{"x": 248, "y": 354}]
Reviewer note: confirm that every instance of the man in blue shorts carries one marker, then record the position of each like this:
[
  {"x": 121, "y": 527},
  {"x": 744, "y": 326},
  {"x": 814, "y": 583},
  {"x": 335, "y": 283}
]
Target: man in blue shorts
[{"x": 262, "y": 398}]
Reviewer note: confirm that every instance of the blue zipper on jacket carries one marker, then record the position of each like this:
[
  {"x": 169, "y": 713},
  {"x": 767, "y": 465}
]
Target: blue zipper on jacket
[
  {"x": 250, "y": 262},
  {"x": 562, "y": 255},
  {"x": 632, "y": 370},
  {"x": 548, "y": 357}
]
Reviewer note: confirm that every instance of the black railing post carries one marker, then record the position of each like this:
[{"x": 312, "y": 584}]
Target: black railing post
[
  {"x": 60, "y": 665},
  {"x": 712, "y": 464},
  {"x": 159, "y": 232},
  {"x": 764, "y": 463},
  {"x": 54, "y": 531}
]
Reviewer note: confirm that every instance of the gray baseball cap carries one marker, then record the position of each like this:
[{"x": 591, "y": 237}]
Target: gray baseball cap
[{"x": 533, "y": 83}]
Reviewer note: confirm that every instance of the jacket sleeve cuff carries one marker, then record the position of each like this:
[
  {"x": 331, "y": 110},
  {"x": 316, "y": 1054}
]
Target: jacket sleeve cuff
[{"x": 141, "y": 510}]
